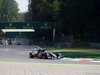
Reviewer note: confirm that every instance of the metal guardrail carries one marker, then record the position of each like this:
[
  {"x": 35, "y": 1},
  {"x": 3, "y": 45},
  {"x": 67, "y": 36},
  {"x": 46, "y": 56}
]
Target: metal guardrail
[
  {"x": 66, "y": 44},
  {"x": 63, "y": 39},
  {"x": 94, "y": 45}
]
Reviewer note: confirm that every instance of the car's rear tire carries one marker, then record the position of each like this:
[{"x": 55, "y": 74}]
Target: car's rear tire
[
  {"x": 43, "y": 57},
  {"x": 31, "y": 55},
  {"x": 51, "y": 57}
]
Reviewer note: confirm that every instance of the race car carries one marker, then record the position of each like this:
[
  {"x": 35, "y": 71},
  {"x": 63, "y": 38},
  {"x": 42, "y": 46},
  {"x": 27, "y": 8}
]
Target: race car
[{"x": 42, "y": 53}]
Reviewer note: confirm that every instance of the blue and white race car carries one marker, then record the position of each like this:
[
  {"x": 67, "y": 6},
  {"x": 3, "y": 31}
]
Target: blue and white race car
[{"x": 42, "y": 53}]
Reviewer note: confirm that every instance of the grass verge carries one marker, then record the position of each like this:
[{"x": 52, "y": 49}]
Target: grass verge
[{"x": 82, "y": 52}]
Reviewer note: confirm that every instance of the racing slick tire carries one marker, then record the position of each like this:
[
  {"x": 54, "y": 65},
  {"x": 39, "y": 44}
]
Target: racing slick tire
[
  {"x": 51, "y": 57},
  {"x": 31, "y": 55},
  {"x": 45, "y": 56},
  {"x": 59, "y": 55}
]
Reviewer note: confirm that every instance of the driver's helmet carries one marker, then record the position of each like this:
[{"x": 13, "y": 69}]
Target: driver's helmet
[{"x": 45, "y": 51}]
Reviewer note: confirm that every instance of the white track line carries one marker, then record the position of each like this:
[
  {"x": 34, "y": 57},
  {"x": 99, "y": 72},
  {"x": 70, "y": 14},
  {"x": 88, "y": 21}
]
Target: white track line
[{"x": 95, "y": 61}]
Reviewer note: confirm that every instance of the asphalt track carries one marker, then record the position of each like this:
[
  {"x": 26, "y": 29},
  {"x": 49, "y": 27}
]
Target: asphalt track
[
  {"x": 20, "y": 53},
  {"x": 14, "y": 60}
]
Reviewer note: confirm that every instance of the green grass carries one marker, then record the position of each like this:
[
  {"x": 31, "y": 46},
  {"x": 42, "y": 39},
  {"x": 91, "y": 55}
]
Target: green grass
[
  {"x": 77, "y": 52},
  {"x": 79, "y": 55},
  {"x": 76, "y": 47}
]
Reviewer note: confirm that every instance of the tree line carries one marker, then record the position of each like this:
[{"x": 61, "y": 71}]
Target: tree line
[
  {"x": 8, "y": 12},
  {"x": 80, "y": 18}
]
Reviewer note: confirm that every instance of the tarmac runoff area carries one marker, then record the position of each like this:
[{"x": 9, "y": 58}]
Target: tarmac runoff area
[
  {"x": 13, "y": 68},
  {"x": 14, "y": 60}
]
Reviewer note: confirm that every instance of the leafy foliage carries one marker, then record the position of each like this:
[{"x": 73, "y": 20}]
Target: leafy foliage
[
  {"x": 79, "y": 18},
  {"x": 9, "y": 10},
  {"x": 1, "y": 33}
]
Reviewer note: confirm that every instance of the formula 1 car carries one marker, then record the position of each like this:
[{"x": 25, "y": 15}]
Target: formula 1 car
[{"x": 42, "y": 53}]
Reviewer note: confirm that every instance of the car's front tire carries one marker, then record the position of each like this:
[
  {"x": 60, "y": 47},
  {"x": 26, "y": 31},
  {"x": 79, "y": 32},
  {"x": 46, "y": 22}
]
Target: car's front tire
[{"x": 59, "y": 55}]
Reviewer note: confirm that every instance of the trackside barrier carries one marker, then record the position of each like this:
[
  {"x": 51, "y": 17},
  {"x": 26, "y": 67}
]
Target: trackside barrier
[
  {"x": 58, "y": 46},
  {"x": 94, "y": 45},
  {"x": 67, "y": 44}
]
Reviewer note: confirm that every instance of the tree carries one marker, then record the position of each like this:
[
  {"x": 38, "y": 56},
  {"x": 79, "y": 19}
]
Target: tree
[
  {"x": 79, "y": 18},
  {"x": 0, "y": 4},
  {"x": 9, "y": 10},
  {"x": 22, "y": 16},
  {"x": 1, "y": 33}
]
